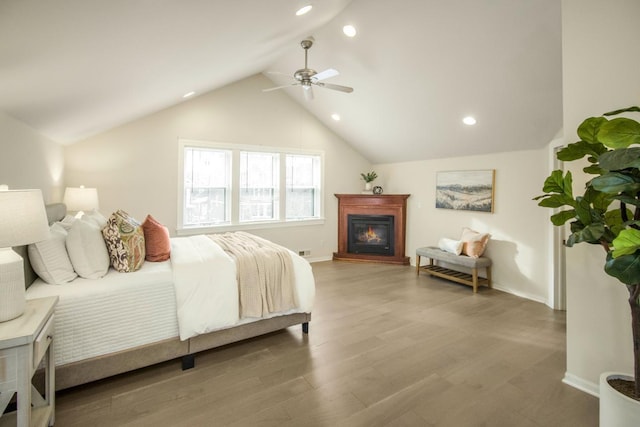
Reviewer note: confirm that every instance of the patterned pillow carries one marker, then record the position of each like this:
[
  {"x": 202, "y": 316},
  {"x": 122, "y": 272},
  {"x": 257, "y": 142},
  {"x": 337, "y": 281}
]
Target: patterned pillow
[
  {"x": 156, "y": 239},
  {"x": 125, "y": 241}
]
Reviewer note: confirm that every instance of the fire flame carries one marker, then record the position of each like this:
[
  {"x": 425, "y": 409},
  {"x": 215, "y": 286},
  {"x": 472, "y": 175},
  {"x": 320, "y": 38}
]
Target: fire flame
[{"x": 372, "y": 236}]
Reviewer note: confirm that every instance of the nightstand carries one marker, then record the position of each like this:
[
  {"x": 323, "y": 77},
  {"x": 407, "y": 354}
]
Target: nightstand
[{"x": 24, "y": 343}]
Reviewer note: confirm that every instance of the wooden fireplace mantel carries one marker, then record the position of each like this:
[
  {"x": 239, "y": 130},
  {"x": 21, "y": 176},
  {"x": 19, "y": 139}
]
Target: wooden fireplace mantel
[{"x": 367, "y": 204}]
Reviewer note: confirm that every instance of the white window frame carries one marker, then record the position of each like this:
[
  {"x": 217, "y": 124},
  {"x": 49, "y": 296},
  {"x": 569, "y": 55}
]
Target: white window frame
[{"x": 234, "y": 223}]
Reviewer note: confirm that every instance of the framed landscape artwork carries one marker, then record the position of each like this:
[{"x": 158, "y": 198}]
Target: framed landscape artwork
[{"x": 465, "y": 190}]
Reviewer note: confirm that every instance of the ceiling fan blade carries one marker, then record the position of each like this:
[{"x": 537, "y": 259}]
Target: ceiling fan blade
[
  {"x": 346, "y": 89},
  {"x": 326, "y": 74},
  {"x": 279, "y": 87},
  {"x": 308, "y": 92}
]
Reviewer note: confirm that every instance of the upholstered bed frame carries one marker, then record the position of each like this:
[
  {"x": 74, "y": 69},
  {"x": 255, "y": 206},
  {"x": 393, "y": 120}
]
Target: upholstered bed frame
[{"x": 100, "y": 367}]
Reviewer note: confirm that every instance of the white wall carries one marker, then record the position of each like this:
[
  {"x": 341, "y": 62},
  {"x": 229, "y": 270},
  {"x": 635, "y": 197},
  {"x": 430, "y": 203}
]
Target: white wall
[
  {"x": 30, "y": 160},
  {"x": 600, "y": 73},
  {"x": 519, "y": 242},
  {"x": 135, "y": 166}
]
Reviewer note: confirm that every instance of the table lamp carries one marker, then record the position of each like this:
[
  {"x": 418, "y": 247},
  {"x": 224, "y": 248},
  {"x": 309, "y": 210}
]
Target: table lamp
[
  {"x": 23, "y": 220},
  {"x": 80, "y": 199}
]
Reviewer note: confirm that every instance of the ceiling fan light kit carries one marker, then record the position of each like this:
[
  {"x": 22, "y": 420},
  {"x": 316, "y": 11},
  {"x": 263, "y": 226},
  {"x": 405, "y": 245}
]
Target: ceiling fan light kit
[{"x": 308, "y": 77}]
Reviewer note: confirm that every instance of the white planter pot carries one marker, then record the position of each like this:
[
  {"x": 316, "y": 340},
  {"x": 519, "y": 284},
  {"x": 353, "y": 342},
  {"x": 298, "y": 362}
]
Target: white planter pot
[
  {"x": 368, "y": 186},
  {"x": 616, "y": 409}
]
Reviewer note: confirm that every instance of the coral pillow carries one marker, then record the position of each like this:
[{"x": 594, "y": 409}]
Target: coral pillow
[
  {"x": 156, "y": 240},
  {"x": 474, "y": 243},
  {"x": 125, "y": 241}
]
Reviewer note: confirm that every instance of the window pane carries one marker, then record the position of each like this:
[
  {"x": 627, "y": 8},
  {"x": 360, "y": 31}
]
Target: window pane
[
  {"x": 259, "y": 178},
  {"x": 206, "y": 186},
  {"x": 303, "y": 186}
]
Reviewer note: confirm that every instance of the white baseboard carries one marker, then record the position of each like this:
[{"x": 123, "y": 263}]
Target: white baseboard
[
  {"x": 320, "y": 258},
  {"x": 521, "y": 294},
  {"x": 581, "y": 384}
]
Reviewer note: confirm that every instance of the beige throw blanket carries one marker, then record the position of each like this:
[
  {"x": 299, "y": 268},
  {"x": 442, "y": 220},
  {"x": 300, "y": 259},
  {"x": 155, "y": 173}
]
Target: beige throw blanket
[{"x": 264, "y": 272}]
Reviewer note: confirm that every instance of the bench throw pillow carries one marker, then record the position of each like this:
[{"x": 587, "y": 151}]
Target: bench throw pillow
[
  {"x": 125, "y": 241},
  {"x": 450, "y": 245},
  {"x": 156, "y": 240},
  {"x": 474, "y": 242}
]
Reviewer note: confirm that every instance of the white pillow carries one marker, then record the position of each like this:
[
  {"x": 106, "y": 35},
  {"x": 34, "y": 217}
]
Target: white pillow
[
  {"x": 450, "y": 245},
  {"x": 96, "y": 217},
  {"x": 66, "y": 222},
  {"x": 49, "y": 258},
  {"x": 87, "y": 250}
]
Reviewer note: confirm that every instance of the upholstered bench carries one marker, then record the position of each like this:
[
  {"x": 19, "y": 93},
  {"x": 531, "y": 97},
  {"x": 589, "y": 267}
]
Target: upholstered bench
[{"x": 437, "y": 254}]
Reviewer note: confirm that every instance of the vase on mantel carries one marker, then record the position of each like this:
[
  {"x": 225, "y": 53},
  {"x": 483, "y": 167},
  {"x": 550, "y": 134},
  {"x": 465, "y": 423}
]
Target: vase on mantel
[{"x": 368, "y": 186}]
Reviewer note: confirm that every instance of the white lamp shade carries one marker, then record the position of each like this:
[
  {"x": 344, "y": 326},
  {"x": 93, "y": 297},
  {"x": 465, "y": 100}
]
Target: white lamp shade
[
  {"x": 80, "y": 199},
  {"x": 23, "y": 218}
]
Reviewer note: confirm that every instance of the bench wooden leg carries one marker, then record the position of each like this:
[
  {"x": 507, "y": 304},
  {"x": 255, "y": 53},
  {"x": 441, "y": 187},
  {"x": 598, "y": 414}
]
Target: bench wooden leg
[
  {"x": 417, "y": 265},
  {"x": 474, "y": 273},
  {"x": 489, "y": 277}
]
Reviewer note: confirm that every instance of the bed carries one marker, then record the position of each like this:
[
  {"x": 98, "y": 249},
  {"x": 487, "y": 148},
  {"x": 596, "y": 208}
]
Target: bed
[{"x": 126, "y": 321}]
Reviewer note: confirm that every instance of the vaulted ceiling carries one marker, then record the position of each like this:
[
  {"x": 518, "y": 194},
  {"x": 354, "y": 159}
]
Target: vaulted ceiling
[{"x": 74, "y": 68}]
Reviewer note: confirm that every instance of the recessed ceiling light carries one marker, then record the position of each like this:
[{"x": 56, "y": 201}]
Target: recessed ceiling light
[
  {"x": 186, "y": 95},
  {"x": 349, "y": 30},
  {"x": 469, "y": 121},
  {"x": 336, "y": 117},
  {"x": 304, "y": 10}
]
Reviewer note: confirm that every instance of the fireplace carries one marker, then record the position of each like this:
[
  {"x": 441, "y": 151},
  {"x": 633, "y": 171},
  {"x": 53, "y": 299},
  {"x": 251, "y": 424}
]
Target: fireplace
[
  {"x": 370, "y": 234},
  {"x": 372, "y": 228}
]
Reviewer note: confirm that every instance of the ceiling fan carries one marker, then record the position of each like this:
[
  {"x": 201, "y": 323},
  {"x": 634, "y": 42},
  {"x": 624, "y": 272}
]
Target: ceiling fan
[{"x": 307, "y": 77}]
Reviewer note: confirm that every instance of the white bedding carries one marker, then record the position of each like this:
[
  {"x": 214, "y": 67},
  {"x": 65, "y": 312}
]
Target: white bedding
[
  {"x": 126, "y": 310},
  {"x": 101, "y": 316}
]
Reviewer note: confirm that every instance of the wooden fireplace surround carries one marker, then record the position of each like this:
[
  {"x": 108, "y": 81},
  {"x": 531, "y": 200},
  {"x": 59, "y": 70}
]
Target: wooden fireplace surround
[{"x": 367, "y": 204}]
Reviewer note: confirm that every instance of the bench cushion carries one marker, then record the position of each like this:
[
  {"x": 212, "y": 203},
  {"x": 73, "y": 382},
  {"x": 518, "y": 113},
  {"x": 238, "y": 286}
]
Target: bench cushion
[{"x": 463, "y": 260}]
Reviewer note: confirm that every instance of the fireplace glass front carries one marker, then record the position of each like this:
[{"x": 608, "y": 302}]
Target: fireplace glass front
[{"x": 370, "y": 234}]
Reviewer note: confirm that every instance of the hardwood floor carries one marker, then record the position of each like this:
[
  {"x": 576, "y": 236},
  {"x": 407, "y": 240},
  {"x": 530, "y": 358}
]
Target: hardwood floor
[{"x": 385, "y": 348}]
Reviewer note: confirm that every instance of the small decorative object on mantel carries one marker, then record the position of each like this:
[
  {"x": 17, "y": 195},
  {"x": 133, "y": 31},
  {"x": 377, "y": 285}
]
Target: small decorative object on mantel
[
  {"x": 368, "y": 178},
  {"x": 377, "y": 190}
]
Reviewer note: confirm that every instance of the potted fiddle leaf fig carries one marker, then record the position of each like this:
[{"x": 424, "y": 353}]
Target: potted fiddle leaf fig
[{"x": 606, "y": 214}]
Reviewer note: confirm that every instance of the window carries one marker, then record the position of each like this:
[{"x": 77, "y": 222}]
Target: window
[
  {"x": 206, "y": 187},
  {"x": 303, "y": 186},
  {"x": 259, "y": 177},
  {"x": 238, "y": 186}
]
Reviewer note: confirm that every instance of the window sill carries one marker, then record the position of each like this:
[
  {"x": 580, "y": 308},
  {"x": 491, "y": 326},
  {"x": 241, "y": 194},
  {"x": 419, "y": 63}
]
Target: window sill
[{"x": 248, "y": 226}]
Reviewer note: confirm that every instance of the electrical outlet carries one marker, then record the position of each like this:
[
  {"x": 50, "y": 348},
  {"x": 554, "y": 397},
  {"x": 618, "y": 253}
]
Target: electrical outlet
[{"x": 305, "y": 252}]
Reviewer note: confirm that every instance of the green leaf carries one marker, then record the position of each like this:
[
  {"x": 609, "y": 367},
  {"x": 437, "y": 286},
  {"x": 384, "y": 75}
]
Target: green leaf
[
  {"x": 594, "y": 170},
  {"x": 598, "y": 199},
  {"x": 588, "y": 130},
  {"x": 627, "y": 242},
  {"x": 613, "y": 220},
  {"x": 623, "y": 110},
  {"x": 583, "y": 210},
  {"x": 625, "y": 268},
  {"x": 579, "y": 149},
  {"x": 563, "y": 216},
  {"x": 556, "y": 201},
  {"x": 615, "y": 182},
  {"x": 620, "y": 159},
  {"x": 590, "y": 234},
  {"x": 556, "y": 183},
  {"x": 619, "y": 133},
  {"x": 629, "y": 200}
]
